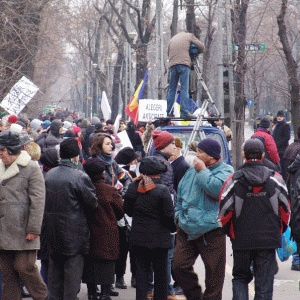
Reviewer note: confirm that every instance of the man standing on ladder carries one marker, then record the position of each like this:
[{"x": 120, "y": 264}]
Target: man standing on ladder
[{"x": 180, "y": 63}]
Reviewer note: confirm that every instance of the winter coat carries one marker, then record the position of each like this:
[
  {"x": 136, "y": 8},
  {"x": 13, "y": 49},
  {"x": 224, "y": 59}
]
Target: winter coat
[
  {"x": 179, "y": 47},
  {"x": 282, "y": 135},
  {"x": 254, "y": 207},
  {"x": 147, "y": 134},
  {"x": 180, "y": 166},
  {"x": 70, "y": 198},
  {"x": 152, "y": 216},
  {"x": 168, "y": 177},
  {"x": 269, "y": 143},
  {"x": 294, "y": 188},
  {"x": 197, "y": 199},
  {"x": 22, "y": 194},
  {"x": 289, "y": 156},
  {"x": 103, "y": 224},
  {"x": 135, "y": 139}
]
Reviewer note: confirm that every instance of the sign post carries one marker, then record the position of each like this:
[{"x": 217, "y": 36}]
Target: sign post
[{"x": 250, "y": 47}]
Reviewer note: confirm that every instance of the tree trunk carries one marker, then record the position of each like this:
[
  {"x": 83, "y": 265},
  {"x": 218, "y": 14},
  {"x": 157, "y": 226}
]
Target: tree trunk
[
  {"x": 174, "y": 23},
  {"x": 291, "y": 67},
  {"x": 141, "y": 57},
  {"x": 116, "y": 83},
  {"x": 239, "y": 26},
  {"x": 190, "y": 20}
]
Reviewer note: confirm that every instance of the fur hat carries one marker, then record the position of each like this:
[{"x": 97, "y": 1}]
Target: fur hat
[
  {"x": 34, "y": 151},
  {"x": 126, "y": 156},
  {"x": 211, "y": 147},
  {"x": 69, "y": 148},
  {"x": 178, "y": 142},
  {"x": 161, "y": 139},
  {"x": 280, "y": 113},
  {"x": 152, "y": 166},
  {"x": 94, "y": 167},
  {"x": 95, "y": 120},
  {"x": 11, "y": 140},
  {"x": 264, "y": 122}
]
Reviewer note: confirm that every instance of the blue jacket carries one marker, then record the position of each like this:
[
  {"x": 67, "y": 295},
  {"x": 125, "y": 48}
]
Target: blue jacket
[{"x": 198, "y": 199}]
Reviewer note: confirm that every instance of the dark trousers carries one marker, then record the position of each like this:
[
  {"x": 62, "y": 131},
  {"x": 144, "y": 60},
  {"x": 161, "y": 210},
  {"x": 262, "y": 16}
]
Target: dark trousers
[
  {"x": 263, "y": 265},
  {"x": 21, "y": 265},
  {"x": 158, "y": 257},
  {"x": 64, "y": 278},
  {"x": 212, "y": 249},
  {"x": 120, "y": 267}
]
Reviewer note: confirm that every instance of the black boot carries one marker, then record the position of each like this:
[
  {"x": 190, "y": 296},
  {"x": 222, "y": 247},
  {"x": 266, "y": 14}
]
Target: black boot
[
  {"x": 112, "y": 291},
  {"x": 92, "y": 291},
  {"x": 105, "y": 292},
  {"x": 120, "y": 283}
]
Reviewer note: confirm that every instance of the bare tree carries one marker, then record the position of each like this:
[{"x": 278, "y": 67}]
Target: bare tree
[
  {"x": 239, "y": 20},
  {"x": 19, "y": 31},
  {"x": 291, "y": 66}
]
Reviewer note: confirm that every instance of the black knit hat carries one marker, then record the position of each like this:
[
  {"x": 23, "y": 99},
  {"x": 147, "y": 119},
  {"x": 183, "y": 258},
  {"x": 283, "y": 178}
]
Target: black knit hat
[
  {"x": 280, "y": 113},
  {"x": 126, "y": 156},
  {"x": 94, "y": 167},
  {"x": 152, "y": 166},
  {"x": 210, "y": 147},
  {"x": 264, "y": 122},
  {"x": 69, "y": 148}
]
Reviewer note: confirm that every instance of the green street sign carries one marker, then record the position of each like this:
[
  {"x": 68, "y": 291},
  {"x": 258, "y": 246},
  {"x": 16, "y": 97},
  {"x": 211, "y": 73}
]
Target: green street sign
[{"x": 250, "y": 47}]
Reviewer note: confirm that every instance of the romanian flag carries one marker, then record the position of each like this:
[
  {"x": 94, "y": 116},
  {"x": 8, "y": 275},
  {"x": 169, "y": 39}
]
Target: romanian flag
[
  {"x": 192, "y": 108},
  {"x": 132, "y": 108}
]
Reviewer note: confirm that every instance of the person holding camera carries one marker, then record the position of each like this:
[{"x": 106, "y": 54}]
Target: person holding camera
[{"x": 180, "y": 63}]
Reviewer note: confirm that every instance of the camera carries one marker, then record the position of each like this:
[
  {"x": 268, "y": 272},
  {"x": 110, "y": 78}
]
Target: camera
[{"x": 194, "y": 52}]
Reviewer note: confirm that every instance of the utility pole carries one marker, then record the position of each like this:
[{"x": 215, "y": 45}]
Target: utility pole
[{"x": 159, "y": 50}]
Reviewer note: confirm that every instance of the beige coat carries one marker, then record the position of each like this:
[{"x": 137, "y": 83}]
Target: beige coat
[
  {"x": 179, "y": 46},
  {"x": 22, "y": 201}
]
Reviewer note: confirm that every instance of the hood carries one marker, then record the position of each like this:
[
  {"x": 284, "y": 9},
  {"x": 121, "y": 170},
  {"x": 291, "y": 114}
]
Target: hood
[
  {"x": 253, "y": 173},
  {"x": 55, "y": 126},
  {"x": 295, "y": 166}
]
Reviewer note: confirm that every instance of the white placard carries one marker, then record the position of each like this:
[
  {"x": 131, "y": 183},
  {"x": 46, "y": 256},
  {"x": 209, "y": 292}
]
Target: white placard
[
  {"x": 105, "y": 107},
  {"x": 20, "y": 94},
  {"x": 125, "y": 141},
  {"x": 150, "y": 110}
]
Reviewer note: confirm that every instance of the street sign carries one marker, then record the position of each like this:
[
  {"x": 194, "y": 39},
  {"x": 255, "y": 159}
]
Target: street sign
[
  {"x": 250, "y": 102},
  {"x": 250, "y": 47}
]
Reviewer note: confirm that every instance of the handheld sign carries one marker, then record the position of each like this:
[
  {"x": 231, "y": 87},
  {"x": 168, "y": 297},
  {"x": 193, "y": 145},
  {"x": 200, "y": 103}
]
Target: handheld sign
[
  {"x": 20, "y": 94},
  {"x": 150, "y": 110}
]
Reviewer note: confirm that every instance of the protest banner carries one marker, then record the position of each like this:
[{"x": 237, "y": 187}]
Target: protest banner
[{"x": 150, "y": 110}]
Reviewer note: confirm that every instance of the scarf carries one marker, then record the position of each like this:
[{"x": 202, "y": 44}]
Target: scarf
[
  {"x": 106, "y": 158},
  {"x": 146, "y": 183}
]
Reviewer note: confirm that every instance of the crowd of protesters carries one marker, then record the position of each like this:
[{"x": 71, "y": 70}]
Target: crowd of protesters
[{"x": 74, "y": 196}]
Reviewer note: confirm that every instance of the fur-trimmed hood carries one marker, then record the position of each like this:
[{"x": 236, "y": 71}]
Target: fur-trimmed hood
[{"x": 22, "y": 160}]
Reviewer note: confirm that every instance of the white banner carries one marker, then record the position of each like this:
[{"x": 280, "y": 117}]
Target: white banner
[
  {"x": 20, "y": 94},
  {"x": 150, "y": 110},
  {"x": 105, "y": 107}
]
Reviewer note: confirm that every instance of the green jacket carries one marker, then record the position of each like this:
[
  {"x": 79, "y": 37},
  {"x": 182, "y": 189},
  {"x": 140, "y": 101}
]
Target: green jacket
[{"x": 198, "y": 199}]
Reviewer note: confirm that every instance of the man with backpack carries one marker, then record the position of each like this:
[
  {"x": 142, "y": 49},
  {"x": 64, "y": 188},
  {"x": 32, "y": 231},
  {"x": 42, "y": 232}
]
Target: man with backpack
[{"x": 254, "y": 212}]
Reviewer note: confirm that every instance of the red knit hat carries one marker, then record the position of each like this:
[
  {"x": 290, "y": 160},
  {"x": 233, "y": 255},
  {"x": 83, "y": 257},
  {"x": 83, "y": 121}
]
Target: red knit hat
[
  {"x": 76, "y": 129},
  {"x": 12, "y": 119},
  {"x": 161, "y": 139}
]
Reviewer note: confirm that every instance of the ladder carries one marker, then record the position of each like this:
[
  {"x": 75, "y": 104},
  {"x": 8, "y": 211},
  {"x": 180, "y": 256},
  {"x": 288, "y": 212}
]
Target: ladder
[{"x": 204, "y": 107}]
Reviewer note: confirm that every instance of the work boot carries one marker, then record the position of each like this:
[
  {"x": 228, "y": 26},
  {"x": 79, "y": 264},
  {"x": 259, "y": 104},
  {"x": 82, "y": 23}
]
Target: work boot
[
  {"x": 120, "y": 283},
  {"x": 112, "y": 291},
  {"x": 106, "y": 292}
]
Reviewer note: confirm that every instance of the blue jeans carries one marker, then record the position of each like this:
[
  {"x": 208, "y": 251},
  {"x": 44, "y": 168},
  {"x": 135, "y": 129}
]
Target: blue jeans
[
  {"x": 264, "y": 263},
  {"x": 182, "y": 73}
]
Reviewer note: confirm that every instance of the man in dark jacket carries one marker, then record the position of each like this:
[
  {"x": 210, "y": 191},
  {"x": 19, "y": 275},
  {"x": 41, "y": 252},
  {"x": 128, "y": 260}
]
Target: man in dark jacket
[
  {"x": 254, "y": 211},
  {"x": 53, "y": 138},
  {"x": 70, "y": 196},
  {"x": 294, "y": 192},
  {"x": 281, "y": 135}
]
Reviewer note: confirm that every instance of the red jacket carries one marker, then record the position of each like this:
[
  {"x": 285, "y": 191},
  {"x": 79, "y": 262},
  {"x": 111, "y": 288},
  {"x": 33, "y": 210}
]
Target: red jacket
[{"x": 269, "y": 144}]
